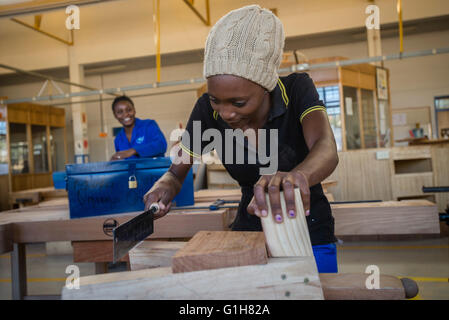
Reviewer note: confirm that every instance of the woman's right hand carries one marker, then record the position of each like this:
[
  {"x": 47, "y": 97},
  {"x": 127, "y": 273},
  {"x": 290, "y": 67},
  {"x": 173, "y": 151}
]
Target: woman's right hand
[{"x": 163, "y": 192}]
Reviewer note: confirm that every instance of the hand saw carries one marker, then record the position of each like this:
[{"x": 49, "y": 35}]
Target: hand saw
[
  {"x": 133, "y": 232},
  {"x": 130, "y": 234}
]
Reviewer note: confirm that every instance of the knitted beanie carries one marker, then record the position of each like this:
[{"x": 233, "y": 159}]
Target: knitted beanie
[{"x": 247, "y": 42}]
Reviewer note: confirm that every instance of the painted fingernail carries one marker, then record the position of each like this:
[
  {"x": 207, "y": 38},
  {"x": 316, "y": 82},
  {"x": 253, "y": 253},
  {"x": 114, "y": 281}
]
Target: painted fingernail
[
  {"x": 278, "y": 218},
  {"x": 264, "y": 213},
  {"x": 257, "y": 212},
  {"x": 307, "y": 212},
  {"x": 291, "y": 213}
]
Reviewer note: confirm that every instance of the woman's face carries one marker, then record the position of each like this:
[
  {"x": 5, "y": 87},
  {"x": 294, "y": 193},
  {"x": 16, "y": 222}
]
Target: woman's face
[
  {"x": 125, "y": 113},
  {"x": 238, "y": 101}
]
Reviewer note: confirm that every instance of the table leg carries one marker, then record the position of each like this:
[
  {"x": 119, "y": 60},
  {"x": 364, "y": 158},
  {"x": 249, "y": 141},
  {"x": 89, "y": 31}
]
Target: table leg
[
  {"x": 18, "y": 271},
  {"x": 101, "y": 267}
]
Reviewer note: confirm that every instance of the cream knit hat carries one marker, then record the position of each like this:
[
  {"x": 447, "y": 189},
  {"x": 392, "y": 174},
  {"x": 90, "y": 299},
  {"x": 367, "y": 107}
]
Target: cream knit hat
[{"x": 247, "y": 42}]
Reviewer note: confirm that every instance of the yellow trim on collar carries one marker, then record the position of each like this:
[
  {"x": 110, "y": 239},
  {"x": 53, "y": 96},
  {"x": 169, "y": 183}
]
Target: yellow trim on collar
[
  {"x": 284, "y": 93},
  {"x": 310, "y": 110},
  {"x": 215, "y": 115},
  {"x": 191, "y": 153}
]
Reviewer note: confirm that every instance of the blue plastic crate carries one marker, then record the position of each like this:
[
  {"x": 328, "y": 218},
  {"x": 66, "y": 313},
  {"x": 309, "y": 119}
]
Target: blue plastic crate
[{"x": 102, "y": 188}]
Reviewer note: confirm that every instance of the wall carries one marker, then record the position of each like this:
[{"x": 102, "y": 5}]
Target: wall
[{"x": 115, "y": 30}]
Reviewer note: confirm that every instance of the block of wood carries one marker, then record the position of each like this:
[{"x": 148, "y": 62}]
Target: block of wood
[
  {"x": 280, "y": 278},
  {"x": 291, "y": 237},
  {"x": 220, "y": 249}
]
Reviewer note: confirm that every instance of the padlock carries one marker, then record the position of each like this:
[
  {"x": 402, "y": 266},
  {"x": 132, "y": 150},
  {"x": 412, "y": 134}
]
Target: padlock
[{"x": 132, "y": 182}]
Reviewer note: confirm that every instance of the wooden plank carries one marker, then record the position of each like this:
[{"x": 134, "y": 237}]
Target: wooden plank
[
  {"x": 154, "y": 254},
  {"x": 280, "y": 278},
  {"x": 386, "y": 218},
  {"x": 338, "y": 286},
  {"x": 220, "y": 249},
  {"x": 210, "y": 195},
  {"x": 46, "y": 222},
  {"x": 291, "y": 237}
]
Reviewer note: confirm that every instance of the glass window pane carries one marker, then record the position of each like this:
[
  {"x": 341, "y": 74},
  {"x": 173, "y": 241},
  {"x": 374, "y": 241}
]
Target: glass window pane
[
  {"x": 353, "y": 139},
  {"x": 369, "y": 119},
  {"x": 40, "y": 156},
  {"x": 57, "y": 149},
  {"x": 19, "y": 148}
]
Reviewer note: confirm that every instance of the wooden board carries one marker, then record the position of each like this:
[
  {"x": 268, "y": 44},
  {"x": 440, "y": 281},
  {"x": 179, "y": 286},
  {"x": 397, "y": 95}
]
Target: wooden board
[
  {"x": 386, "y": 218},
  {"x": 291, "y": 237},
  {"x": 46, "y": 222},
  {"x": 280, "y": 278},
  {"x": 336, "y": 286},
  {"x": 211, "y": 195},
  {"x": 220, "y": 249}
]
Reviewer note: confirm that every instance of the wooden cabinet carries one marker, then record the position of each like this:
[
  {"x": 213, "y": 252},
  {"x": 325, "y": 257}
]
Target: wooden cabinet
[
  {"x": 32, "y": 149},
  {"x": 359, "y": 119}
]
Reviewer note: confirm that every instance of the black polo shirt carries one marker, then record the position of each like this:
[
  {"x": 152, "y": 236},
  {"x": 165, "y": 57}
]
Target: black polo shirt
[{"x": 293, "y": 98}]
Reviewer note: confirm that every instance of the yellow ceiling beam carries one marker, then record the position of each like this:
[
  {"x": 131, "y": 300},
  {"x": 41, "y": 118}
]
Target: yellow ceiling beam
[
  {"x": 70, "y": 43},
  {"x": 206, "y": 20},
  {"x": 157, "y": 36},
  {"x": 401, "y": 29}
]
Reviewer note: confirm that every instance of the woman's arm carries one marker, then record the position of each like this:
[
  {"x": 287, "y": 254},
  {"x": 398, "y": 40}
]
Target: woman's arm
[
  {"x": 318, "y": 165},
  {"x": 168, "y": 186}
]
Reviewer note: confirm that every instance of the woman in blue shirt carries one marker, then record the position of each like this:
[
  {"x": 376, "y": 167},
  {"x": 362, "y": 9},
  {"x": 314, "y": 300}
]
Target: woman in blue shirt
[{"x": 138, "y": 138}]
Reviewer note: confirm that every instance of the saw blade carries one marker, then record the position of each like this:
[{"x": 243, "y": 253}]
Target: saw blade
[{"x": 132, "y": 233}]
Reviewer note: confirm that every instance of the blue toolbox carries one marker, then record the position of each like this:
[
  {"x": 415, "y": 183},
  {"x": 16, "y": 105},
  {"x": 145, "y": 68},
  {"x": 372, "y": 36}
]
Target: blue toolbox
[{"x": 102, "y": 188}]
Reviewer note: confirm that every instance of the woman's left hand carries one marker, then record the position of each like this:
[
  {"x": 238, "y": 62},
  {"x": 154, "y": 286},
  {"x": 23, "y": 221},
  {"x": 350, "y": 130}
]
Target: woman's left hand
[
  {"x": 123, "y": 154},
  {"x": 272, "y": 184}
]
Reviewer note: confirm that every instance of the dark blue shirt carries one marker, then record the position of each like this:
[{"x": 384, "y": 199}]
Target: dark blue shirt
[{"x": 147, "y": 139}]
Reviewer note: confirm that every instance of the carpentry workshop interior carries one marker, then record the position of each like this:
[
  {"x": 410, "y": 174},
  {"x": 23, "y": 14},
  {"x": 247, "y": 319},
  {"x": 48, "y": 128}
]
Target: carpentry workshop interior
[{"x": 224, "y": 150}]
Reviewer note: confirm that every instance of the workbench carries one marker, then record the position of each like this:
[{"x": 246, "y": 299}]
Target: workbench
[{"x": 49, "y": 221}]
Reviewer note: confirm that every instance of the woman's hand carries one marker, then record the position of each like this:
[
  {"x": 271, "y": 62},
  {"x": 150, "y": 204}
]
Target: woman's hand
[
  {"x": 273, "y": 184},
  {"x": 162, "y": 193},
  {"x": 123, "y": 154}
]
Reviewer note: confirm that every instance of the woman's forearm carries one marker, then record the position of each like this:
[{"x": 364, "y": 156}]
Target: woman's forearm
[{"x": 320, "y": 162}]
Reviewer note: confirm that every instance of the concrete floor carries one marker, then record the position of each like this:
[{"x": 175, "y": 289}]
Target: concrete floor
[{"x": 425, "y": 261}]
